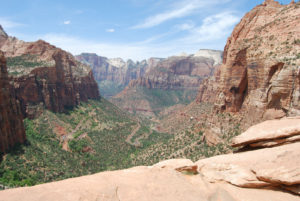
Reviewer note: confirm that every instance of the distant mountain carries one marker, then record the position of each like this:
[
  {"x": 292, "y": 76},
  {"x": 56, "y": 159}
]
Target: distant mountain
[
  {"x": 168, "y": 82},
  {"x": 113, "y": 75},
  {"x": 216, "y": 55}
]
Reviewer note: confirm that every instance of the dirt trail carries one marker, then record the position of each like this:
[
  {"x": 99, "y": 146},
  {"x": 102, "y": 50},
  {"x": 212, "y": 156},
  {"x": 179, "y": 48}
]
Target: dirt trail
[
  {"x": 129, "y": 137},
  {"x": 67, "y": 137},
  {"x": 144, "y": 136},
  {"x": 137, "y": 142}
]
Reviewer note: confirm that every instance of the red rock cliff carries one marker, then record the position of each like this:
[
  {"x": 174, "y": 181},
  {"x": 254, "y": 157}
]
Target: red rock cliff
[
  {"x": 176, "y": 72},
  {"x": 261, "y": 64},
  {"x": 46, "y": 76},
  {"x": 11, "y": 121},
  {"x": 114, "y": 70}
]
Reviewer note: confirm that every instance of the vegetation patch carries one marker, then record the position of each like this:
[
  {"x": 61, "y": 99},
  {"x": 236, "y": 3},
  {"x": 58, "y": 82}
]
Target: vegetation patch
[
  {"x": 42, "y": 159},
  {"x": 27, "y": 61}
]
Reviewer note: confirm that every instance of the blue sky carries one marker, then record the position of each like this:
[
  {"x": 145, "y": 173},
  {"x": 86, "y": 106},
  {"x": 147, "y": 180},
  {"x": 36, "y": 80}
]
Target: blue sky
[{"x": 136, "y": 29}]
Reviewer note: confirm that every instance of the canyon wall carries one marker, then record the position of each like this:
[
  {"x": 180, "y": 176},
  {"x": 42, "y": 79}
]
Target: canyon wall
[
  {"x": 46, "y": 76},
  {"x": 179, "y": 72},
  {"x": 168, "y": 84},
  {"x": 260, "y": 74},
  {"x": 11, "y": 120},
  {"x": 35, "y": 76},
  {"x": 165, "y": 73},
  {"x": 115, "y": 70}
]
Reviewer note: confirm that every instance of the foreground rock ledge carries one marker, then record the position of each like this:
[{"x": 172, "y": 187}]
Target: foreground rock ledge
[
  {"x": 263, "y": 174},
  {"x": 160, "y": 182},
  {"x": 277, "y": 167},
  {"x": 270, "y": 133}
]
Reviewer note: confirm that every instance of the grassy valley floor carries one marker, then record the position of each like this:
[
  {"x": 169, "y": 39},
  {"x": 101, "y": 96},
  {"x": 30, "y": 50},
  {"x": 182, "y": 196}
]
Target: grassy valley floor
[{"x": 96, "y": 136}]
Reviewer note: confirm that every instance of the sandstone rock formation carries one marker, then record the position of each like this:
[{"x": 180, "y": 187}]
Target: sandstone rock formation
[
  {"x": 115, "y": 70},
  {"x": 260, "y": 70},
  {"x": 177, "y": 77},
  {"x": 273, "y": 167},
  {"x": 46, "y": 76},
  {"x": 11, "y": 120},
  {"x": 264, "y": 174},
  {"x": 178, "y": 72},
  {"x": 174, "y": 72},
  {"x": 270, "y": 133},
  {"x": 3, "y": 34},
  {"x": 211, "y": 54}
]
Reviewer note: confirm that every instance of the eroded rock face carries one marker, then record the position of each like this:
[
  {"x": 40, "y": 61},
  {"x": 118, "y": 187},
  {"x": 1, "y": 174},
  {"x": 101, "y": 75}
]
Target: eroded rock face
[
  {"x": 11, "y": 120},
  {"x": 264, "y": 167},
  {"x": 261, "y": 62},
  {"x": 3, "y": 35},
  {"x": 154, "y": 72},
  {"x": 270, "y": 133},
  {"x": 46, "y": 76},
  {"x": 177, "y": 76},
  {"x": 177, "y": 72},
  {"x": 115, "y": 70}
]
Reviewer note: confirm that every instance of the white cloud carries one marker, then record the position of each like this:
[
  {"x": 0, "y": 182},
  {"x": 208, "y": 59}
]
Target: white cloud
[
  {"x": 213, "y": 27},
  {"x": 162, "y": 17},
  {"x": 135, "y": 51},
  {"x": 185, "y": 26},
  {"x": 110, "y": 30},
  {"x": 188, "y": 37},
  {"x": 67, "y": 22},
  {"x": 181, "y": 9},
  {"x": 7, "y": 24}
]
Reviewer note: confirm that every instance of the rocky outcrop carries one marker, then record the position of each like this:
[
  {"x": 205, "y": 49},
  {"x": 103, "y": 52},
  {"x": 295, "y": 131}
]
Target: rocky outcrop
[
  {"x": 113, "y": 75},
  {"x": 115, "y": 70},
  {"x": 178, "y": 72},
  {"x": 278, "y": 166},
  {"x": 3, "y": 35},
  {"x": 269, "y": 167},
  {"x": 260, "y": 70},
  {"x": 46, "y": 76},
  {"x": 270, "y": 133},
  {"x": 208, "y": 87},
  {"x": 264, "y": 174},
  {"x": 215, "y": 55},
  {"x": 11, "y": 121},
  {"x": 167, "y": 82}
]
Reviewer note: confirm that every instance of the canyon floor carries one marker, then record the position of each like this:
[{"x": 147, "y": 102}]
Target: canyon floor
[{"x": 268, "y": 173}]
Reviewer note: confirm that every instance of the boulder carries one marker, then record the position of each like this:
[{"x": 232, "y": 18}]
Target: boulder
[
  {"x": 264, "y": 167},
  {"x": 270, "y": 133}
]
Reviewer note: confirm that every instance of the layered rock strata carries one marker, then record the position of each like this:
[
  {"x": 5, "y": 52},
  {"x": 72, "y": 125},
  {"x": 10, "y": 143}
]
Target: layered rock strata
[
  {"x": 11, "y": 120},
  {"x": 154, "y": 71},
  {"x": 261, "y": 64},
  {"x": 178, "y": 76},
  {"x": 270, "y": 133},
  {"x": 177, "y": 72},
  {"x": 46, "y": 76},
  {"x": 114, "y": 70}
]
